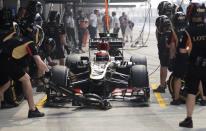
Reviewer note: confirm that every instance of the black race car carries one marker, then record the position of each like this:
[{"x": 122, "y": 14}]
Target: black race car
[{"x": 102, "y": 76}]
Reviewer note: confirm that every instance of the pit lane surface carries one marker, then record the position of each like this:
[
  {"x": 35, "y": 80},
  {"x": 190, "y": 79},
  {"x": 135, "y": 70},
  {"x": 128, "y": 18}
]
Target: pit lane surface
[{"x": 159, "y": 116}]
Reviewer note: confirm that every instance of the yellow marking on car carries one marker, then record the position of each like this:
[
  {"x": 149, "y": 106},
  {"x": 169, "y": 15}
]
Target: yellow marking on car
[
  {"x": 158, "y": 96},
  {"x": 41, "y": 102}
]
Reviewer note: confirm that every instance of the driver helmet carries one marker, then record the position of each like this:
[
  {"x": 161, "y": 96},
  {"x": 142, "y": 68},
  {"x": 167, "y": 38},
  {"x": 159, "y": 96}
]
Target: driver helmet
[
  {"x": 180, "y": 21},
  {"x": 196, "y": 13},
  {"x": 103, "y": 46},
  {"x": 163, "y": 24},
  {"x": 102, "y": 56}
]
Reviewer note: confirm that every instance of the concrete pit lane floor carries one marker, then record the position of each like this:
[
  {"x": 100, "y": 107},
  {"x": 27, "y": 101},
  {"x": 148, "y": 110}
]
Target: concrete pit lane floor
[{"x": 159, "y": 116}]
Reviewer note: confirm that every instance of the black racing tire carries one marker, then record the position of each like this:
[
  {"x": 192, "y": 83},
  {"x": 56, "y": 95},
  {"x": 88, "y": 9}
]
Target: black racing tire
[
  {"x": 139, "y": 76},
  {"x": 60, "y": 75},
  {"x": 170, "y": 83},
  {"x": 139, "y": 60},
  {"x": 72, "y": 60},
  {"x": 75, "y": 64},
  {"x": 183, "y": 91}
]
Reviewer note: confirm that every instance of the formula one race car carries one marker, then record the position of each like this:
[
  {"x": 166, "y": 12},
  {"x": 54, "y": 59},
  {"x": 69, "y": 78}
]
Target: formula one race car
[{"x": 101, "y": 77}]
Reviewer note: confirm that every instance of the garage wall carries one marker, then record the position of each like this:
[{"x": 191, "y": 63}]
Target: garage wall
[
  {"x": 50, "y": 7},
  {"x": 12, "y": 4},
  {"x": 24, "y": 3}
]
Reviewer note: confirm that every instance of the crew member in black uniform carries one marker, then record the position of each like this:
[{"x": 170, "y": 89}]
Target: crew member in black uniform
[
  {"x": 38, "y": 17},
  {"x": 14, "y": 54},
  {"x": 163, "y": 37},
  {"x": 7, "y": 31},
  {"x": 7, "y": 27},
  {"x": 30, "y": 14},
  {"x": 57, "y": 32},
  {"x": 47, "y": 50},
  {"x": 183, "y": 48},
  {"x": 166, "y": 40},
  {"x": 196, "y": 13},
  {"x": 20, "y": 15}
]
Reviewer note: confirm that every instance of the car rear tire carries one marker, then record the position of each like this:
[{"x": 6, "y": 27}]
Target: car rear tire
[
  {"x": 139, "y": 76},
  {"x": 139, "y": 60},
  {"x": 183, "y": 92},
  {"x": 139, "y": 79},
  {"x": 72, "y": 60},
  {"x": 60, "y": 75}
]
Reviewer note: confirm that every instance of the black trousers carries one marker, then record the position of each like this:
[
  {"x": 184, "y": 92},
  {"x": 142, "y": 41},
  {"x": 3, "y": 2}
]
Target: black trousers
[
  {"x": 92, "y": 32},
  {"x": 71, "y": 35},
  {"x": 193, "y": 78}
]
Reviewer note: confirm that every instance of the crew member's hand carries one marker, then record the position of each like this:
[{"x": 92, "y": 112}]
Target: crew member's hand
[
  {"x": 42, "y": 68},
  {"x": 52, "y": 63}
]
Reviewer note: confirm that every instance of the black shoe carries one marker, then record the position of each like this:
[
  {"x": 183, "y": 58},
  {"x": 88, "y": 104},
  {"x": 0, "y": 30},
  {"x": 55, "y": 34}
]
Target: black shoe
[
  {"x": 35, "y": 113},
  {"x": 68, "y": 51},
  {"x": 160, "y": 89},
  {"x": 186, "y": 123},
  {"x": 203, "y": 103},
  {"x": 176, "y": 102},
  {"x": 5, "y": 105}
]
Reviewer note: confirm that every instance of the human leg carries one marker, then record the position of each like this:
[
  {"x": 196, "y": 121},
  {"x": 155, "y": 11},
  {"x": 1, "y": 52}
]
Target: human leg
[
  {"x": 177, "y": 87},
  {"x": 17, "y": 73},
  {"x": 59, "y": 54},
  {"x": 3, "y": 88},
  {"x": 202, "y": 94},
  {"x": 4, "y": 79},
  {"x": 192, "y": 82},
  {"x": 27, "y": 87},
  {"x": 179, "y": 71},
  {"x": 190, "y": 103},
  {"x": 164, "y": 62},
  {"x": 163, "y": 75},
  {"x": 61, "y": 61}
]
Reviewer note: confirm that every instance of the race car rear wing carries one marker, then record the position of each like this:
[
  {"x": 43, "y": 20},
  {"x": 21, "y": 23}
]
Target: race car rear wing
[{"x": 113, "y": 42}]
